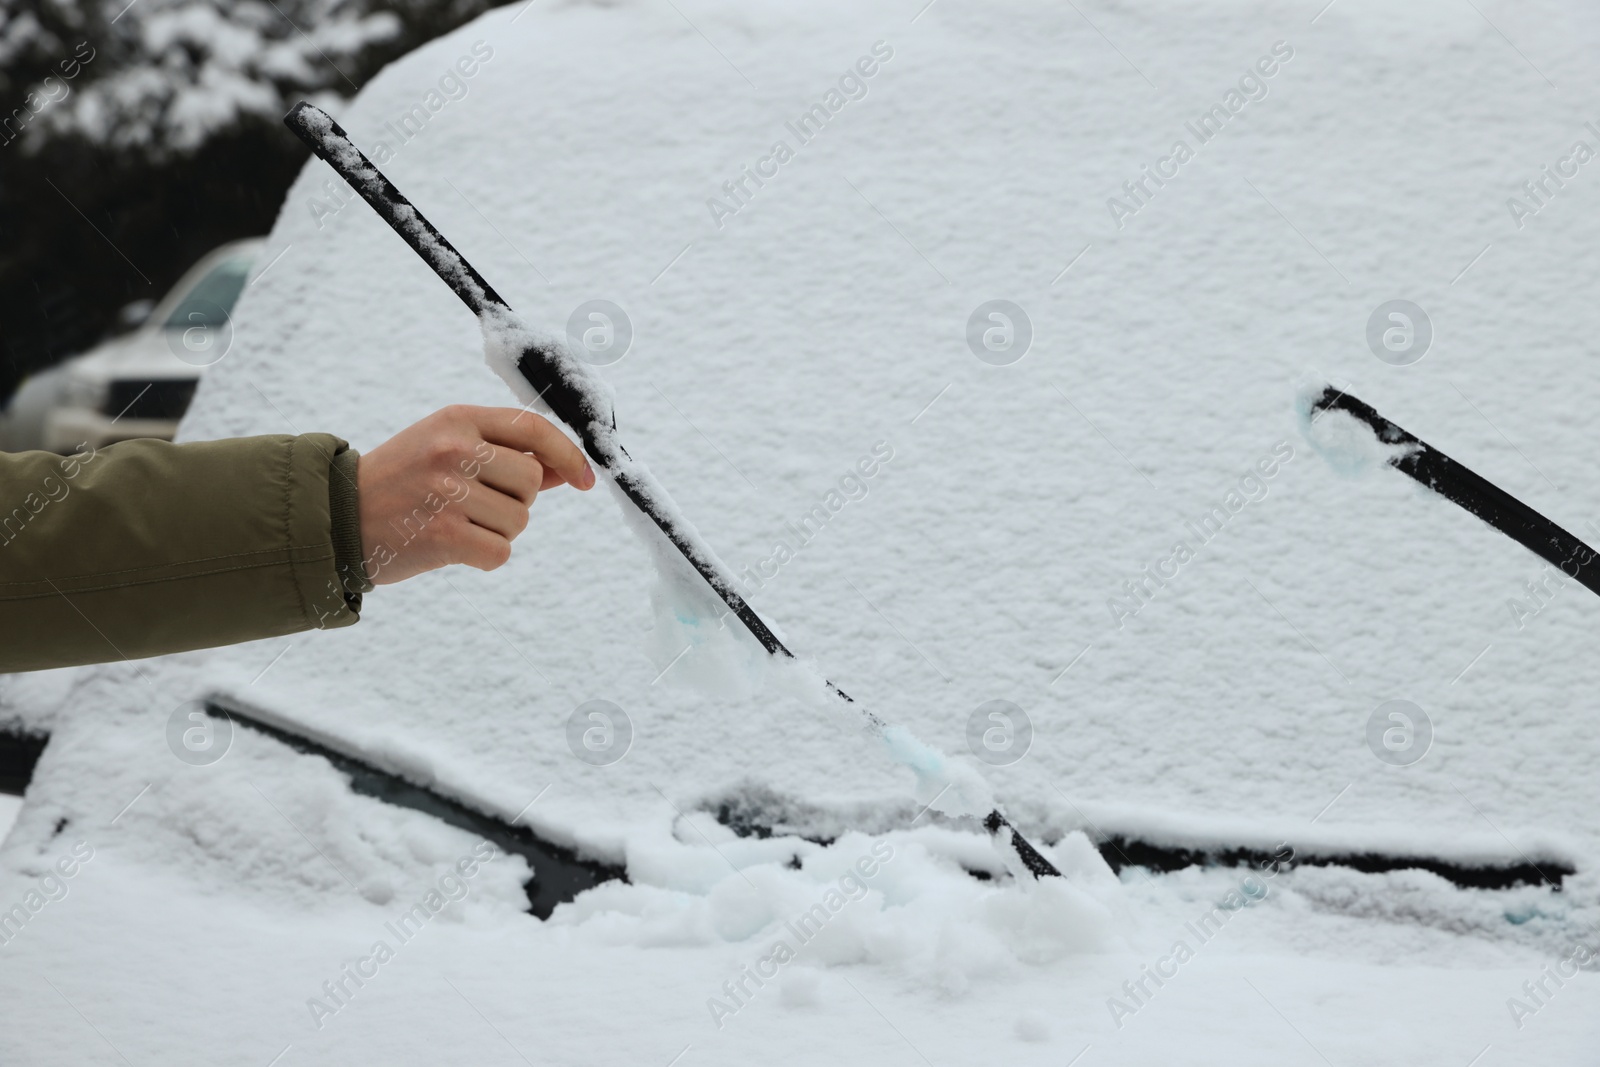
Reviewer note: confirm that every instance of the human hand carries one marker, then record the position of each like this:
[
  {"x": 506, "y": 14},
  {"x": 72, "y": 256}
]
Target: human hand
[{"x": 456, "y": 488}]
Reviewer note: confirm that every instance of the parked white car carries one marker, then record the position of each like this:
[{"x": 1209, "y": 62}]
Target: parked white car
[{"x": 138, "y": 383}]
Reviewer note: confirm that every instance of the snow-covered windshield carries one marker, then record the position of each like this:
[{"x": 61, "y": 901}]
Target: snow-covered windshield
[{"x": 212, "y": 299}]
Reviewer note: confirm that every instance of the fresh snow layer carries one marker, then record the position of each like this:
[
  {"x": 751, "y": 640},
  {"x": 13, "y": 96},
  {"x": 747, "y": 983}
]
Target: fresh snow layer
[
  {"x": 1349, "y": 445},
  {"x": 1126, "y": 534},
  {"x": 690, "y": 617},
  {"x": 901, "y": 900}
]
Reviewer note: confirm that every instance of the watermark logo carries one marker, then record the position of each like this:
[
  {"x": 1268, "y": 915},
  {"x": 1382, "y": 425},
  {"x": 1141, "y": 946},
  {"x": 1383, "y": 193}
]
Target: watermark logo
[
  {"x": 1251, "y": 488},
  {"x": 1537, "y": 193},
  {"x": 204, "y": 334},
  {"x": 1138, "y": 992},
  {"x": 1399, "y": 733},
  {"x": 999, "y": 733},
  {"x": 850, "y": 487},
  {"x": 198, "y": 737},
  {"x": 47, "y": 890},
  {"x": 1551, "y": 980},
  {"x": 599, "y": 733},
  {"x": 1251, "y": 88},
  {"x": 599, "y": 332},
  {"x": 999, "y": 332},
  {"x": 1399, "y": 332},
  {"x": 452, "y": 86},
  {"x": 797, "y": 933},
  {"x": 51, "y": 90},
  {"x": 740, "y": 191},
  {"x": 51, "y": 490},
  {"x": 451, "y": 887}
]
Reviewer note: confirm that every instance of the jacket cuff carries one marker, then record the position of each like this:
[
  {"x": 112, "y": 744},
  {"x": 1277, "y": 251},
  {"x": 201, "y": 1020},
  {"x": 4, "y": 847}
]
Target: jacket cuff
[{"x": 344, "y": 508}]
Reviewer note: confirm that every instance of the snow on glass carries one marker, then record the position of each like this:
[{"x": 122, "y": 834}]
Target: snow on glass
[
  {"x": 693, "y": 596},
  {"x": 691, "y": 618}
]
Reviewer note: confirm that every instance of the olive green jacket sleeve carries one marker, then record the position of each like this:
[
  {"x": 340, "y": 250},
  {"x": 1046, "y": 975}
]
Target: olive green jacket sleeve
[{"x": 147, "y": 547}]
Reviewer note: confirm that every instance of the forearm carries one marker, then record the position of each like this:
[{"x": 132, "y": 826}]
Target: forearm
[{"x": 147, "y": 547}]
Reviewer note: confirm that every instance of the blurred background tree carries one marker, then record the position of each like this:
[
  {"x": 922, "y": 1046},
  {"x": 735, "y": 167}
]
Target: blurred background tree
[{"x": 135, "y": 137}]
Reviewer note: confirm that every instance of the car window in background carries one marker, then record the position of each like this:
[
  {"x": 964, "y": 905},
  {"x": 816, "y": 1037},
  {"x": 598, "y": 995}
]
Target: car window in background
[{"x": 213, "y": 297}]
